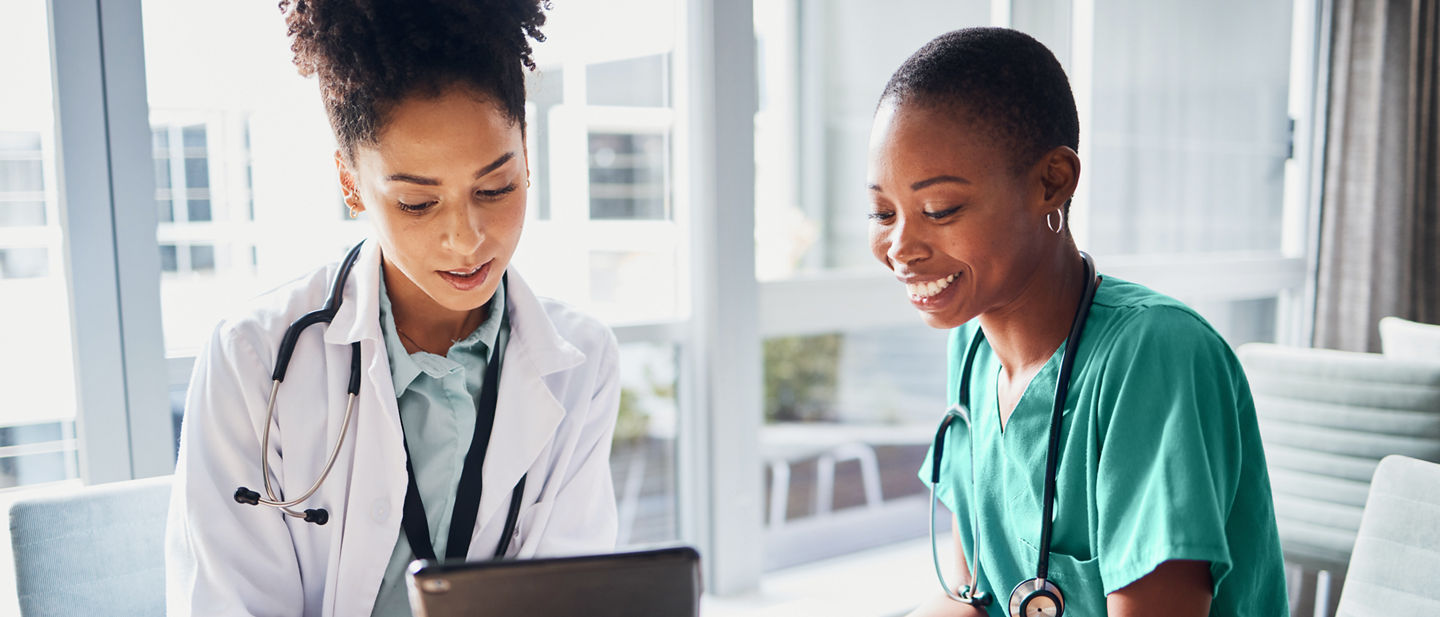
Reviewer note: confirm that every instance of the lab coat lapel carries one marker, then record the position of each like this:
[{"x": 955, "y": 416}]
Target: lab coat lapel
[
  {"x": 359, "y": 315},
  {"x": 527, "y": 413},
  {"x": 377, "y": 480}
]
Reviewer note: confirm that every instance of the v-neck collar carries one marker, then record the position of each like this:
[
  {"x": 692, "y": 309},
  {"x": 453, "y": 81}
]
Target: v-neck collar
[{"x": 1043, "y": 379}]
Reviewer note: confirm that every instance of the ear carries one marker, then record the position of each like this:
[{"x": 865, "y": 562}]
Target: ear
[
  {"x": 525, "y": 155},
  {"x": 347, "y": 183},
  {"x": 1059, "y": 175}
]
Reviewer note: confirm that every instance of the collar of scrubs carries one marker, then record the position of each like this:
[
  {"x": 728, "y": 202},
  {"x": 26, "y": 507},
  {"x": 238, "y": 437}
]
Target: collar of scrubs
[{"x": 406, "y": 367}]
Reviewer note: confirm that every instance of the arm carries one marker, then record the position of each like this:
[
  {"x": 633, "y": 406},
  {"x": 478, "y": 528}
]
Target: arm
[
  {"x": 223, "y": 558},
  {"x": 583, "y": 516},
  {"x": 940, "y": 605},
  {"x": 1177, "y": 588}
]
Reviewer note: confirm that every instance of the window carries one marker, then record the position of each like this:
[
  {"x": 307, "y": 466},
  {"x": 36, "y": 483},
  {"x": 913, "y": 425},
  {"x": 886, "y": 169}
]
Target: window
[
  {"x": 39, "y": 446},
  {"x": 37, "y": 426},
  {"x": 636, "y": 120}
]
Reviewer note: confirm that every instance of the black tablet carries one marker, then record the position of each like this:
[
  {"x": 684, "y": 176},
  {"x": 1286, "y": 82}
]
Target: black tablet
[{"x": 661, "y": 582}]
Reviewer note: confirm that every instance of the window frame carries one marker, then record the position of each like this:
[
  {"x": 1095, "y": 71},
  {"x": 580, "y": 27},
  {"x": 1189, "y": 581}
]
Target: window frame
[
  {"x": 107, "y": 196},
  {"x": 107, "y": 209}
]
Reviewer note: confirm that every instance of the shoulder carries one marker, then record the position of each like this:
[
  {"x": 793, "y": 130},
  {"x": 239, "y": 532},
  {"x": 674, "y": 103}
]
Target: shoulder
[
  {"x": 569, "y": 337},
  {"x": 260, "y": 322},
  {"x": 1129, "y": 320},
  {"x": 1151, "y": 355},
  {"x": 579, "y": 328}
]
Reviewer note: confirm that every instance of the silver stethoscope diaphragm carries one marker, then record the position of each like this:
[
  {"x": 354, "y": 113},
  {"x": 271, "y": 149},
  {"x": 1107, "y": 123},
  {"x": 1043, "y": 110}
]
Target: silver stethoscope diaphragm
[{"x": 1036, "y": 598}]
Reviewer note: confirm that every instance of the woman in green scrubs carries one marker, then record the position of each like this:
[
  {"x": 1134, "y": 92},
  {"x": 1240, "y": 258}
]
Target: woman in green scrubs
[{"x": 1163, "y": 502}]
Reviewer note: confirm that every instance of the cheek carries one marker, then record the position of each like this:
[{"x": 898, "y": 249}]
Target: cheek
[{"x": 879, "y": 243}]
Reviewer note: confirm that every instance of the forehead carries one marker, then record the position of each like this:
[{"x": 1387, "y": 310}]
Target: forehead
[
  {"x": 456, "y": 127},
  {"x": 915, "y": 141}
]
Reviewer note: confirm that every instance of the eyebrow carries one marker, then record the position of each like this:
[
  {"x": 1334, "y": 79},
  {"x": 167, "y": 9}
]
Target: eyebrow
[
  {"x": 926, "y": 183},
  {"x": 412, "y": 179},
  {"x": 937, "y": 180}
]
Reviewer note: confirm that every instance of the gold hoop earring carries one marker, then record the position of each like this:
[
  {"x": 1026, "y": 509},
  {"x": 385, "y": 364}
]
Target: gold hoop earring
[{"x": 1059, "y": 223}]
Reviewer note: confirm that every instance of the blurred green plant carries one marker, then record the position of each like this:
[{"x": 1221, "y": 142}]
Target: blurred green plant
[
  {"x": 633, "y": 422},
  {"x": 801, "y": 377}
]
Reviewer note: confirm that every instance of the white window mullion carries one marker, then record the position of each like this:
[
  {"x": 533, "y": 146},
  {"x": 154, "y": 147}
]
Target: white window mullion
[
  {"x": 112, "y": 265},
  {"x": 724, "y": 354}
]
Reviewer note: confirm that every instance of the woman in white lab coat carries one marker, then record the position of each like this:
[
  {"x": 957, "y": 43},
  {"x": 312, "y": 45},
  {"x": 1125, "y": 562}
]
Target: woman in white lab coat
[{"x": 427, "y": 103}]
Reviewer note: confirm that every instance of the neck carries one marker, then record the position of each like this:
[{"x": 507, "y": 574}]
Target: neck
[
  {"x": 424, "y": 324},
  {"x": 1026, "y": 331}
]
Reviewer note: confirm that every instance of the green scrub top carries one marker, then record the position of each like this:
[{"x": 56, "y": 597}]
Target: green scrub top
[
  {"x": 437, "y": 397},
  {"x": 1160, "y": 459}
]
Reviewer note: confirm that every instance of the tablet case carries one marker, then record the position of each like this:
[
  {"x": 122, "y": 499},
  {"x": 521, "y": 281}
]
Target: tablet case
[{"x": 658, "y": 582}]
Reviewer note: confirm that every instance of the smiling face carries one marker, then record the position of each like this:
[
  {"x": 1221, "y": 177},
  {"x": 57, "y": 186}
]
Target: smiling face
[
  {"x": 445, "y": 188},
  {"x": 952, "y": 217}
]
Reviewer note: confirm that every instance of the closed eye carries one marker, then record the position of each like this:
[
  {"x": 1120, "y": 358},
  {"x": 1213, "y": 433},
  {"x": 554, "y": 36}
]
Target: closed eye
[
  {"x": 880, "y": 216},
  {"x": 943, "y": 213},
  {"x": 497, "y": 193},
  {"x": 415, "y": 208}
]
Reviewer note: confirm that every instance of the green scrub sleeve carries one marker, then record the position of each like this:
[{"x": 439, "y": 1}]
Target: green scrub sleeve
[
  {"x": 945, "y": 490},
  {"x": 1169, "y": 447}
]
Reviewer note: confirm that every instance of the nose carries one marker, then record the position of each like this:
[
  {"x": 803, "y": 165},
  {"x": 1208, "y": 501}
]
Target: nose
[
  {"x": 908, "y": 244},
  {"x": 466, "y": 230}
]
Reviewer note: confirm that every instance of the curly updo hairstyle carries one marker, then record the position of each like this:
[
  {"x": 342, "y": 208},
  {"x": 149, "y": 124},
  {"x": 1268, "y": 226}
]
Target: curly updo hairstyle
[
  {"x": 1005, "y": 79},
  {"x": 371, "y": 54}
]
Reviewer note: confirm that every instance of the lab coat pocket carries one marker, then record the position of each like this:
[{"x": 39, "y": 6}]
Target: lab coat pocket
[
  {"x": 530, "y": 527},
  {"x": 1079, "y": 583}
]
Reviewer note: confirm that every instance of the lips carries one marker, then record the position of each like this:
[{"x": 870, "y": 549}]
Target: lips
[{"x": 466, "y": 279}]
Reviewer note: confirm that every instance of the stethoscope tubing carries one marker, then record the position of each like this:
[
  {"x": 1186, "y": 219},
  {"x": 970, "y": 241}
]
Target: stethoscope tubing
[
  {"x": 275, "y": 501},
  {"x": 1041, "y": 586},
  {"x": 282, "y": 364}
]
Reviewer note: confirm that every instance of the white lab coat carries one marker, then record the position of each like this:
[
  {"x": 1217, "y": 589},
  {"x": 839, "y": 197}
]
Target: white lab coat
[{"x": 558, "y": 399}]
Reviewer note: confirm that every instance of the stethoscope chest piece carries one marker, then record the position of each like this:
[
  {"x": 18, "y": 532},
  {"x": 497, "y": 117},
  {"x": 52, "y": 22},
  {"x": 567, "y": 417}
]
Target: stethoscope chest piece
[{"x": 1036, "y": 598}]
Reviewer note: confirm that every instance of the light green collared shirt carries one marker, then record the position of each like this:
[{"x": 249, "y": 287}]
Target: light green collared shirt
[{"x": 437, "y": 397}]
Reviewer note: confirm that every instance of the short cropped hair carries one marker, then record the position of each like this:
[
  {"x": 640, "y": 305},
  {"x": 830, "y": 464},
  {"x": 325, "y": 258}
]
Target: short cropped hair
[
  {"x": 371, "y": 54},
  {"x": 1002, "y": 78}
]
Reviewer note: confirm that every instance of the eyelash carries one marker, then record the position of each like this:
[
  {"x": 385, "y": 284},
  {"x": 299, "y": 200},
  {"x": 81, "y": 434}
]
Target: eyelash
[
  {"x": 415, "y": 208},
  {"x": 418, "y": 208},
  {"x": 496, "y": 194},
  {"x": 935, "y": 216}
]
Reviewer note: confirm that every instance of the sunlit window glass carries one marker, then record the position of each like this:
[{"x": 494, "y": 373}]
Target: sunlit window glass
[{"x": 37, "y": 420}]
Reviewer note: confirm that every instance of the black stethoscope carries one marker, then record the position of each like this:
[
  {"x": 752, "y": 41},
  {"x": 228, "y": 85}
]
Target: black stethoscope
[
  {"x": 467, "y": 499},
  {"x": 1037, "y": 596}
]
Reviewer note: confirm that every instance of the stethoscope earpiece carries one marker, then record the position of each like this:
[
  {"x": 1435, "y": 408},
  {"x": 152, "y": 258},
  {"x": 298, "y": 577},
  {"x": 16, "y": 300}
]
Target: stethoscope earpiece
[{"x": 247, "y": 496}]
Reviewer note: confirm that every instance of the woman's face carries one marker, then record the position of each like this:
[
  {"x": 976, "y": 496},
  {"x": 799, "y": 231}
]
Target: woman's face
[
  {"x": 951, "y": 217},
  {"x": 445, "y": 187}
]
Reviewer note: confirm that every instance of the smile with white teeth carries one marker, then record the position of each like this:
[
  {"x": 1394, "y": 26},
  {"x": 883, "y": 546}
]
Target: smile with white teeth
[{"x": 926, "y": 290}]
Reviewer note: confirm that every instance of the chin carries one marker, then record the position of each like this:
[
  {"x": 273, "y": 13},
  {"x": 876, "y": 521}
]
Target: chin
[
  {"x": 944, "y": 321},
  {"x": 461, "y": 301}
]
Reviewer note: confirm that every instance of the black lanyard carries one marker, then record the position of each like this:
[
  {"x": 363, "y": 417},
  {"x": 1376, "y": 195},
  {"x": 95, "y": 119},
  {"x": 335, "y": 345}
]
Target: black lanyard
[{"x": 467, "y": 495}]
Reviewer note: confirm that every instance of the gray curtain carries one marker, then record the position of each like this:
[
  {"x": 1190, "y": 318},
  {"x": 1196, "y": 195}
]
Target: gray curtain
[{"x": 1379, "y": 251}]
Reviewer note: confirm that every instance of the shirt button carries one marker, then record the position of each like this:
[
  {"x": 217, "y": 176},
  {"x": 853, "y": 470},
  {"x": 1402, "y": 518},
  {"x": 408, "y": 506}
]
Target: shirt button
[{"x": 380, "y": 511}]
